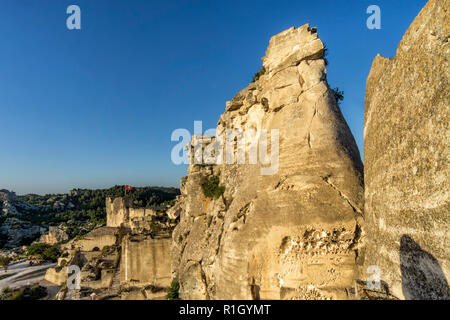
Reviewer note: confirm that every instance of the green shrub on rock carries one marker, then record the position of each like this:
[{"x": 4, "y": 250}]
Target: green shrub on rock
[
  {"x": 211, "y": 187},
  {"x": 4, "y": 262},
  {"x": 44, "y": 251},
  {"x": 173, "y": 293},
  {"x": 259, "y": 74},
  {"x": 35, "y": 292}
]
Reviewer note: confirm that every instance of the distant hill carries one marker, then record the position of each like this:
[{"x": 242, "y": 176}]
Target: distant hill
[{"x": 80, "y": 210}]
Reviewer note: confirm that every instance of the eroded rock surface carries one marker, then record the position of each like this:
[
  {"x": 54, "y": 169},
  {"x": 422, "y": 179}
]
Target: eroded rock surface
[
  {"x": 146, "y": 261},
  {"x": 54, "y": 235},
  {"x": 293, "y": 234},
  {"x": 406, "y": 149}
]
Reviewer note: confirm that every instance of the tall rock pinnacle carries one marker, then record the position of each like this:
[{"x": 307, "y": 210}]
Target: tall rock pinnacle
[{"x": 284, "y": 231}]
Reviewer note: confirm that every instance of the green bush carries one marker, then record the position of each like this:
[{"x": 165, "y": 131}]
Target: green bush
[
  {"x": 259, "y": 74},
  {"x": 4, "y": 262},
  {"x": 36, "y": 249},
  {"x": 211, "y": 188},
  {"x": 44, "y": 251},
  {"x": 17, "y": 295},
  {"x": 339, "y": 95},
  {"x": 5, "y": 293},
  {"x": 325, "y": 54},
  {"x": 35, "y": 292},
  {"x": 11, "y": 294},
  {"x": 51, "y": 254},
  {"x": 173, "y": 293}
]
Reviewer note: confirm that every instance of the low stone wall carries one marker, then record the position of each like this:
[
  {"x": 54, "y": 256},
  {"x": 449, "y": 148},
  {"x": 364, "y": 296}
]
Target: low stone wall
[
  {"x": 145, "y": 261},
  {"x": 97, "y": 238},
  {"x": 56, "y": 276},
  {"x": 59, "y": 275},
  {"x": 104, "y": 281},
  {"x": 141, "y": 212}
]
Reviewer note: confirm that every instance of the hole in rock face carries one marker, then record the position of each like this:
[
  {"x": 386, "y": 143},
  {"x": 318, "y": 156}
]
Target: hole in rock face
[
  {"x": 285, "y": 243},
  {"x": 308, "y": 233}
]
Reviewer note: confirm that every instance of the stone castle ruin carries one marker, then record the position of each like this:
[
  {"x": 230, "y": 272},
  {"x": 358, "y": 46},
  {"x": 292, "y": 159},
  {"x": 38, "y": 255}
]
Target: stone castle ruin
[{"x": 129, "y": 258}]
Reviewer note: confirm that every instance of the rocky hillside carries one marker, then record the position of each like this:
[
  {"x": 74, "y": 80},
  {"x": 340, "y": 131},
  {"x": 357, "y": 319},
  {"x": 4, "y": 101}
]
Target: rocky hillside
[
  {"x": 24, "y": 218},
  {"x": 248, "y": 231},
  {"x": 14, "y": 229}
]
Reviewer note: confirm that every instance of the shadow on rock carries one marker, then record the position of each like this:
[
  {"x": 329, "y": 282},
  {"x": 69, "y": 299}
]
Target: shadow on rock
[{"x": 422, "y": 276}]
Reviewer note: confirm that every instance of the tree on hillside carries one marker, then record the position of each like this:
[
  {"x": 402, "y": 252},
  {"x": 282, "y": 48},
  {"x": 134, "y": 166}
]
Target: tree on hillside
[{"x": 4, "y": 262}]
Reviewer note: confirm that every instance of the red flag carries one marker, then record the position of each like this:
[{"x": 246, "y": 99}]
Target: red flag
[{"x": 127, "y": 187}]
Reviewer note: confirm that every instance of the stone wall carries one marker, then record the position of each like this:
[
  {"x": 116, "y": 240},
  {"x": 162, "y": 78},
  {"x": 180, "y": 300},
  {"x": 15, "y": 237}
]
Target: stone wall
[
  {"x": 97, "y": 238},
  {"x": 117, "y": 211},
  {"x": 406, "y": 150},
  {"x": 120, "y": 210},
  {"x": 145, "y": 261},
  {"x": 56, "y": 276},
  {"x": 54, "y": 235},
  {"x": 141, "y": 212}
]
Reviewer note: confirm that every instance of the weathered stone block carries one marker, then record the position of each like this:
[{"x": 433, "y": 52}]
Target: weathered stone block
[{"x": 145, "y": 261}]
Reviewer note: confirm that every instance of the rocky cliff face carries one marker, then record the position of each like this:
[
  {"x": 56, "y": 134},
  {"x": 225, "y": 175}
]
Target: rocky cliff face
[
  {"x": 406, "y": 148},
  {"x": 291, "y": 231}
]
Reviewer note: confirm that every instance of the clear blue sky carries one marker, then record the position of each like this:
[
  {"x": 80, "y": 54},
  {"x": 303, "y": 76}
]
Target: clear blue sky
[{"x": 96, "y": 107}]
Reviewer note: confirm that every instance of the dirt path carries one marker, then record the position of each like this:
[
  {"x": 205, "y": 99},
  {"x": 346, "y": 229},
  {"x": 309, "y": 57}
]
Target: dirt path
[{"x": 20, "y": 274}]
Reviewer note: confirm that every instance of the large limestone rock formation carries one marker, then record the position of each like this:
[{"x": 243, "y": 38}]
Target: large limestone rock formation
[
  {"x": 290, "y": 234},
  {"x": 406, "y": 150}
]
